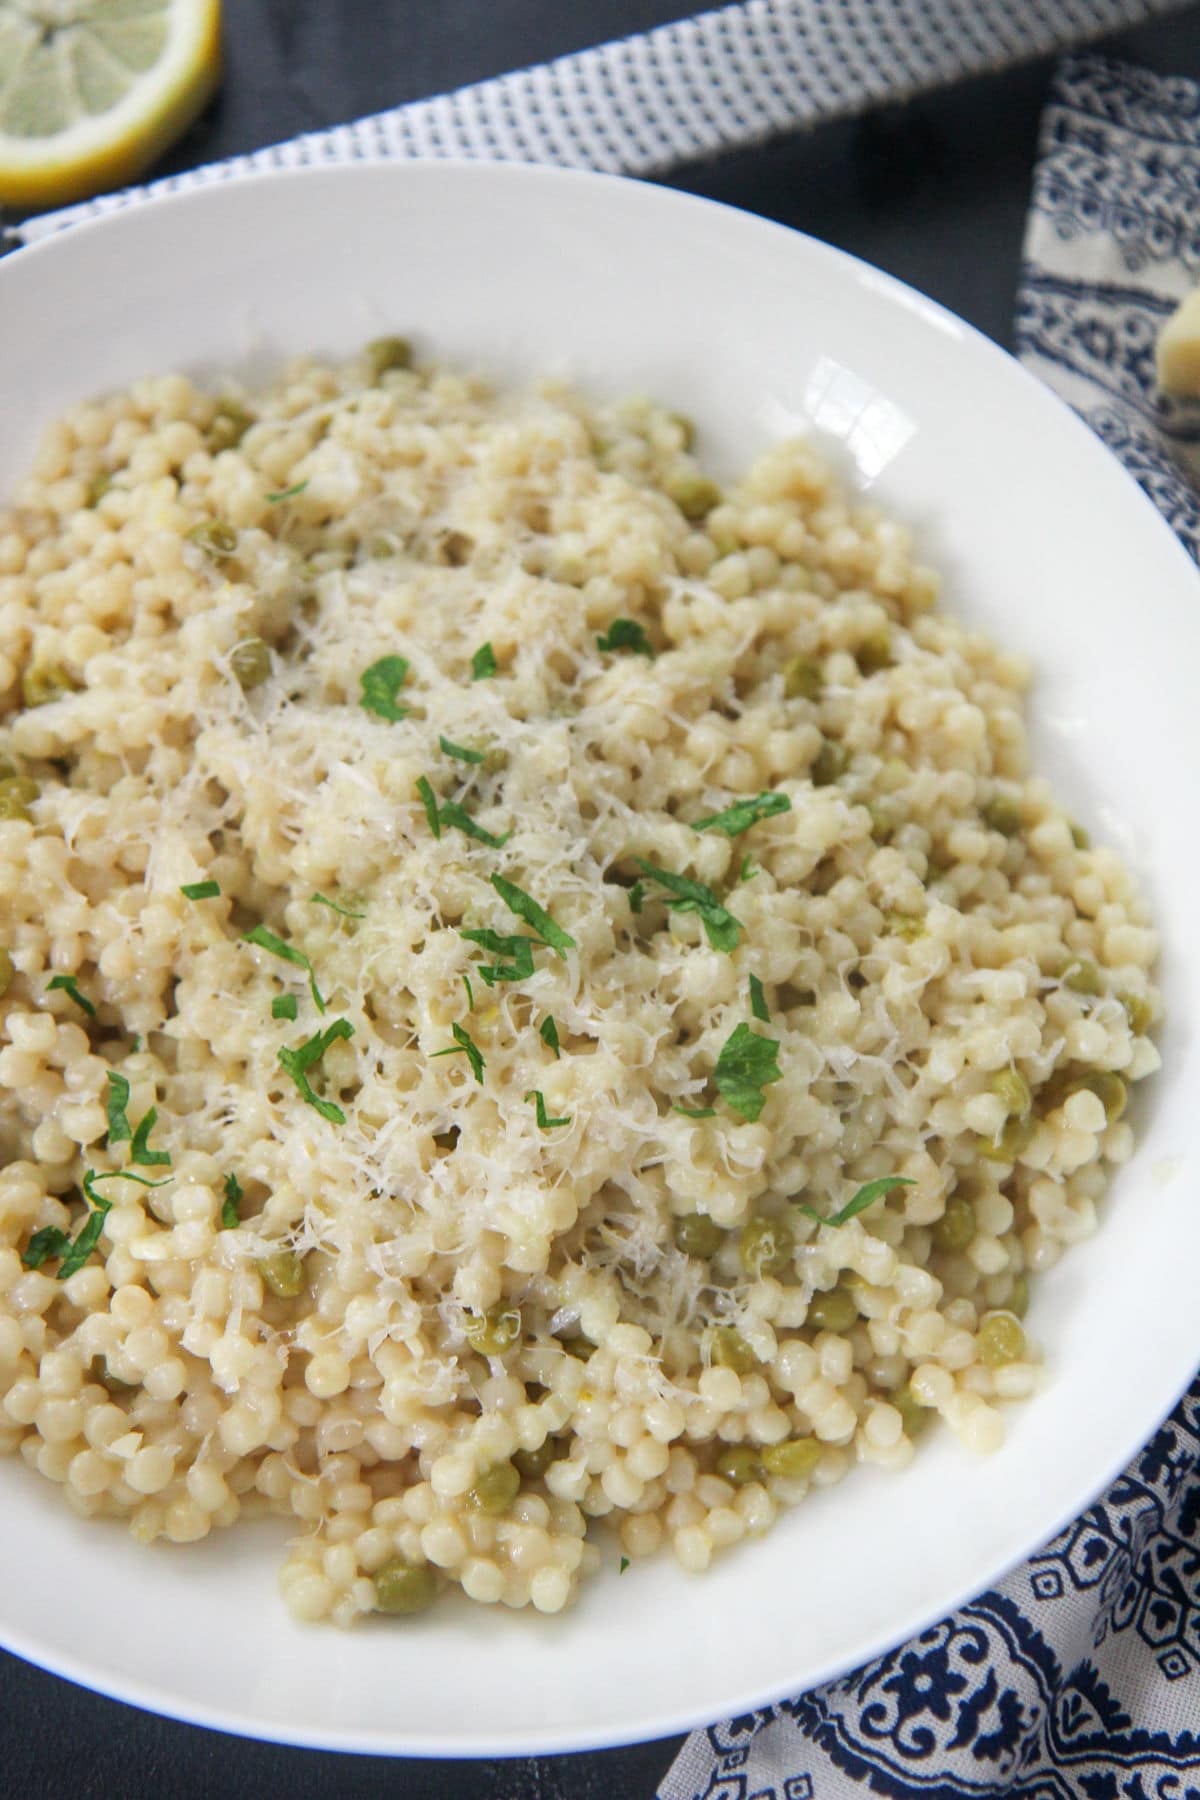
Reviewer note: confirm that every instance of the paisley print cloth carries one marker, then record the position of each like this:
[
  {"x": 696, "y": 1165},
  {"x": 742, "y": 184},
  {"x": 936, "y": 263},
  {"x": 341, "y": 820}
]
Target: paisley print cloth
[{"x": 1078, "y": 1678}]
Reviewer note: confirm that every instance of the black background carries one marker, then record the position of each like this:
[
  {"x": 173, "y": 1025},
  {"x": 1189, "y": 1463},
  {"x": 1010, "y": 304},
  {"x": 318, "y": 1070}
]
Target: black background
[{"x": 935, "y": 193}]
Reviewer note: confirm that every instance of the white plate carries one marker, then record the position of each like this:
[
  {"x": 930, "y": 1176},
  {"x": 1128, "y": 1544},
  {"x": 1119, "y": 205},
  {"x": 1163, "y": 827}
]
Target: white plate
[{"x": 758, "y": 333}]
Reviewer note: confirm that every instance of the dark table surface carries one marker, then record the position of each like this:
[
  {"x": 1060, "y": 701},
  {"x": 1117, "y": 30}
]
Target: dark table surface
[{"x": 936, "y": 193}]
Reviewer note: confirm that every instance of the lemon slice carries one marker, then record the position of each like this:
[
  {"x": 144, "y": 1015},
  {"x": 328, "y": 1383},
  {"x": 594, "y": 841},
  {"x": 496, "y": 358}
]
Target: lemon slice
[{"x": 91, "y": 91}]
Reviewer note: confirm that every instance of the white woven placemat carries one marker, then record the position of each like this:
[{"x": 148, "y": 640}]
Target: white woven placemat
[{"x": 722, "y": 80}]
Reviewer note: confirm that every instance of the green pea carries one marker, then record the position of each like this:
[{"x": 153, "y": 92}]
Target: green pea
[
  {"x": 1003, "y": 814},
  {"x": 1080, "y": 838},
  {"x": 1013, "y": 1090},
  {"x": 6, "y": 972},
  {"x": 214, "y": 537},
  {"x": 729, "y": 1350},
  {"x": 403, "y": 1587},
  {"x": 829, "y": 764},
  {"x": 386, "y": 353},
  {"x": 802, "y": 678},
  {"x": 698, "y": 1235},
  {"x": 765, "y": 1247},
  {"x": 1083, "y": 977},
  {"x": 45, "y": 682},
  {"x": 793, "y": 1460},
  {"x": 1001, "y": 1340},
  {"x": 98, "y": 486},
  {"x": 250, "y": 662},
  {"x": 693, "y": 494},
  {"x": 534, "y": 1463},
  {"x": 956, "y": 1227},
  {"x": 1139, "y": 1011},
  {"x": 17, "y": 795},
  {"x": 740, "y": 1465},
  {"x": 874, "y": 653},
  {"x": 833, "y": 1311},
  {"x": 915, "y": 1414},
  {"x": 495, "y": 1331},
  {"x": 496, "y": 1489},
  {"x": 1018, "y": 1300},
  {"x": 1109, "y": 1089},
  {"x": 1014, "y": 1136},
  {"x": 283, "y": 1273},
  {"x": 230, "y": 423}
]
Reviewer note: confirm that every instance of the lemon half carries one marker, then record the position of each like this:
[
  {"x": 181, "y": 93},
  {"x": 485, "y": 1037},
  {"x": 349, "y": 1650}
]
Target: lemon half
[{"x": 91, "y": 91}]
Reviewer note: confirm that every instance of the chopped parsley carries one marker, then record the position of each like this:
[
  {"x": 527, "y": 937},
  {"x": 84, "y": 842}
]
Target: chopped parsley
[
  {"x": 722, "y": 929},
  {"x": 380, "y": 684},
  {"x": 466, "y": 1046},
  {"x": 297, "y": 1063},
  {"x": 866, "y": 1196},
  {"x": 626, "y": 634},
  {"x": 119, "y": 1128},
  {"x": 460, "y": 751},
  {"x": 69, "y": 985},
  {"x": 694, "y": 1112},
  {"x": 740, "y": 817},
  {"x": 200, "y": 890},
  {"x": 283, "y": 1006},
  {"x": 346, "y": 912},
  {"x": 73, "y": 1252},
  {"x": 230, "y": 1208},
  {"x": 637, "y": 896},
  {"x": 748, "y": 1063},
  {"x": 140, "y": 1151},
  {"x": 545, "y": 1122},
  {"x": 518, "y": 950},
  {"x": 758, "y": 1001},
  {"x": 748, "y": 870},
  {"x": 266, "y": 940},
  {"x": 450, "y": 813},
  {"x": 483, "y": 663},
  {"x": 527, "y": 908},
  {"x": 287, "y": 494},
  {"x": 548, "y": 1032},
  {"x": 623, "y": 1566},
  {"x": 466, "y": 981}
]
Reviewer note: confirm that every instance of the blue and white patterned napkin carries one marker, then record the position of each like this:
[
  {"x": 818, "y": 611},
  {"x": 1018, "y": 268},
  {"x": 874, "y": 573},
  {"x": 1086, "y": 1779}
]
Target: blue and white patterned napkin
[{"x": 1078, "y": 1678}]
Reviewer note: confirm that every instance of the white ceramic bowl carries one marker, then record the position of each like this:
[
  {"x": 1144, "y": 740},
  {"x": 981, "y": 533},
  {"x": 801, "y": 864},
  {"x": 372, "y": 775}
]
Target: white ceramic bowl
[{"x": 758, "y": 333}]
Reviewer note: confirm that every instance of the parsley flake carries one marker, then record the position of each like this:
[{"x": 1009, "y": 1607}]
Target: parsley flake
[
  {"x": 517, "y": 948},
  {"x": 866, "y": 1196},
  {"x": 483, "y": 663},
  {"x": 548, "y": 1032},
  {"x": 346, "y": 912},
  {"x": 720, "y": 926},
  {"x": 200, "y": 890},
  {"x": 283, "y": 1006},
  {"x": 287, "y": 493},
  {"x": 758, "y": 1001},
  {"x": 527, "y": 908},
  {"x": 626, "y": 634},
  {"x": 380, "y": 684},
  {"x": 466, "y": 1046},
  {"x": 70, "y": 986},
  {"x": 740, "y": 817},
  {"x": 73, "y": 1252},
  {"x": 545, "y": 1122},
  {"x": 695, "y": 1112},
  {"x": 297, "y": 1063},
  {"x": 466, "y": 981},
  {"x": 748, "y": 870},
  {"x": 623, "y": 1565},
  {"x": 266, "y": 940},
  {"x": 747, "y": 1064},
  {"x": 460, "y": 751},
  {"x": 140, "y": 1151},
  {"x": 449, "y": 813},
  {"x": 119, "y": 1129},
  {"x": 230, "y": 1209}
]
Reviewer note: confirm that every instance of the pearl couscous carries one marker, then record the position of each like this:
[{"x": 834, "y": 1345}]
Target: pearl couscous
[{"x": 533, "y": 990}]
